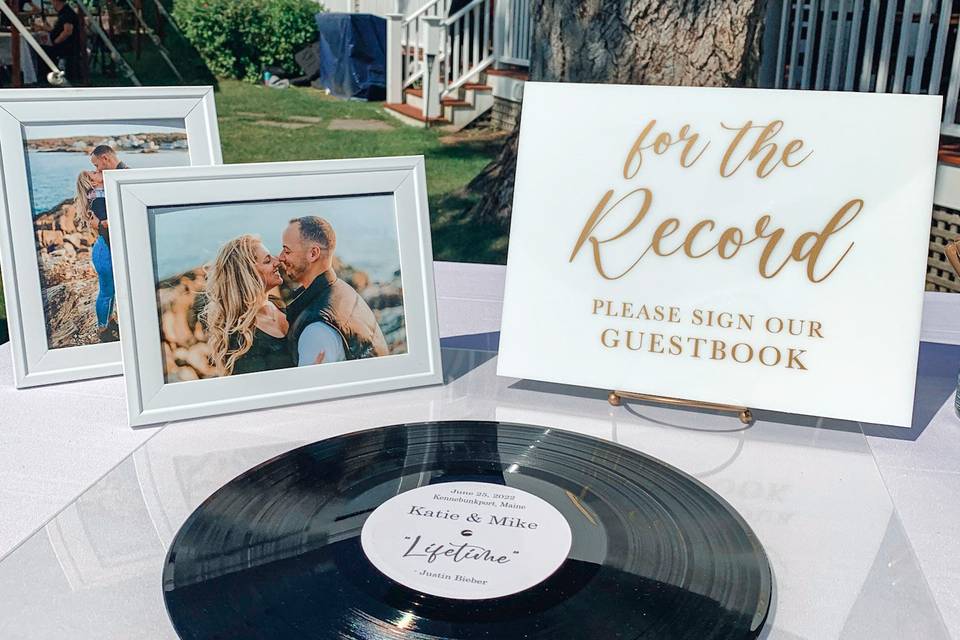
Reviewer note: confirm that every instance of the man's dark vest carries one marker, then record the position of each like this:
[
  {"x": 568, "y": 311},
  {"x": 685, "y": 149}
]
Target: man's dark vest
[{"x": 331, "y": 300}]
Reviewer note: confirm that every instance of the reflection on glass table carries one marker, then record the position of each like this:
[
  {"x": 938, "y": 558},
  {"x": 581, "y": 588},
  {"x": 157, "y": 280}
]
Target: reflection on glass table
[{"x": 810, "y": 489}]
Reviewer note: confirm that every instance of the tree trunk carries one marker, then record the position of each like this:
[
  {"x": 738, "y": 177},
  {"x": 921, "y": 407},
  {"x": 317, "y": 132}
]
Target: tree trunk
[{"x": 703, "y": 43}]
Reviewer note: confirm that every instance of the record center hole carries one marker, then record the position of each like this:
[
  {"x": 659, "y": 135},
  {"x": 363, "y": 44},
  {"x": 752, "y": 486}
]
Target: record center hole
[{"x": 466, "y": 532}]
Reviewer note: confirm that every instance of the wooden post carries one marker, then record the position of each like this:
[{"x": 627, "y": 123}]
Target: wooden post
[
  {"x": 395, "y": 55},
  {"x": 772, "y": 35},
  {"x": 111, "y": 32},
  {"x": 431, "y": 66},
  {"x": 16, "y": 66},
  {"x": 160, "y": 21},
  {"x": 499, "y": 30},
  {"x": 138, "y": 9}
]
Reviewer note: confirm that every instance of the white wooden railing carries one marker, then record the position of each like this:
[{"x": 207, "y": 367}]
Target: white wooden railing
[
  {"x": 513, "y": 27},
  {"x": 886, "y": 46},
  {"x": 443, "y": 51},
  {"x": 413, "y": 29},
  {"x": 466, "y": 45}
]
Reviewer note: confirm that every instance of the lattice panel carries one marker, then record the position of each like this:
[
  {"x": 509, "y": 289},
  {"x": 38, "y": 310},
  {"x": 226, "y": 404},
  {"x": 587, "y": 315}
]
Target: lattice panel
[{"x": 944, "y": 228}]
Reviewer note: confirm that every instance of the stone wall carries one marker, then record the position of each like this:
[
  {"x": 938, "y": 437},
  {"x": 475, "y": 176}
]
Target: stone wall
[
  {"x": 68, "y": 281},
  {"x": 505, "y": 114}
]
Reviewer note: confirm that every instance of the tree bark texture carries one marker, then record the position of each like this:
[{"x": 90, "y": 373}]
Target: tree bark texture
[{"x": 703, "y": 43}]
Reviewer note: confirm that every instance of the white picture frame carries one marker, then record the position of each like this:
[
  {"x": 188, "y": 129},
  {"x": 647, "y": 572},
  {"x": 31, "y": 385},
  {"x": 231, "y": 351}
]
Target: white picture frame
[
  {"x": 34, "y": 363},
  {"x": 132, "y": 193}
]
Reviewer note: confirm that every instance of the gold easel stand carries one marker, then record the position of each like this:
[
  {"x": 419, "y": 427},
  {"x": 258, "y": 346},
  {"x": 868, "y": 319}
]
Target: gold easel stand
[{"x": 616, "y": 399}]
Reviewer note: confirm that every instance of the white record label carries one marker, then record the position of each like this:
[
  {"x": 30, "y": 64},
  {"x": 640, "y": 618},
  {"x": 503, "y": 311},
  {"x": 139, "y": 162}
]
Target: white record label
[{"x": 466, "y": 540}]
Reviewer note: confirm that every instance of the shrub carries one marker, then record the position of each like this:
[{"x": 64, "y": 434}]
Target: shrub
[{"x": 238, "y": 38}]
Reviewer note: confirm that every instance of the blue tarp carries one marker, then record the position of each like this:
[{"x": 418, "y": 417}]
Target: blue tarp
[{"x": 353, "y": 61}]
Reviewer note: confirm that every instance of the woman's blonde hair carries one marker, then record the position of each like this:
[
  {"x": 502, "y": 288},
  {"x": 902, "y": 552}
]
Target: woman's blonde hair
[
  {"x": 235, "y": 293},
  {"x": 81, "y": 202}
]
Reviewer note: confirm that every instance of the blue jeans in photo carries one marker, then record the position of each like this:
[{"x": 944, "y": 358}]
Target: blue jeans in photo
[{"x": 103, "y": 264}]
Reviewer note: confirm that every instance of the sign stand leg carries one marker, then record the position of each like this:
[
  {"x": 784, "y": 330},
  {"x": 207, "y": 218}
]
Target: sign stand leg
[{"x": 616, "y": 399}]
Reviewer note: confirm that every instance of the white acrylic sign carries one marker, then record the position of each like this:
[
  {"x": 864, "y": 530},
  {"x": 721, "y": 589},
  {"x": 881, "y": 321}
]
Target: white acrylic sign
[{"x": 750, "y": 247}]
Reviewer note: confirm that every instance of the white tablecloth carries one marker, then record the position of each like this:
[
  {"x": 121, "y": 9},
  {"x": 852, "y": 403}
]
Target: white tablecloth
[{"x": 861, "y": 531}]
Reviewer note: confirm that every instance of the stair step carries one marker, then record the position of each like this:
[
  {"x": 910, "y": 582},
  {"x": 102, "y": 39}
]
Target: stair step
[
  {"x": 509, "y": 73},
  {"x": 412, "y": 112},
  {"x": 415, "y": 92},
  {"x": 454, "y": 102},
  {"x": 418, "y": 51},
  {"x": 477, "y": 86}
]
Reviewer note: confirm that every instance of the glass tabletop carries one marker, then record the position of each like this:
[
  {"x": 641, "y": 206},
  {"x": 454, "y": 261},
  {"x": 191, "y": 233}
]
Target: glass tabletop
[{"x": 842, "y": 564}]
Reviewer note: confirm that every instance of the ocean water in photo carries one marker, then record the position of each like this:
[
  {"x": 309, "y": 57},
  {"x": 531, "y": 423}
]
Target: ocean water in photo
[
  {"x": 52, "y": 175},
  {"x": 366, "y": 227}
]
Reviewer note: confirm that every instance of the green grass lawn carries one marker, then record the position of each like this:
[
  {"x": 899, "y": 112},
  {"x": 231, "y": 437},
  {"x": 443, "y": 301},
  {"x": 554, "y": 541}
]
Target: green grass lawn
[
  {"x": 250, "y": 116},
  {"x": 450, "y": 164}
]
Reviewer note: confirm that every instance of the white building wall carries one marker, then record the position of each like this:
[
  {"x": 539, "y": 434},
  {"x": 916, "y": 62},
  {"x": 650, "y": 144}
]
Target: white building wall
[{"x": 376, "y": 7}]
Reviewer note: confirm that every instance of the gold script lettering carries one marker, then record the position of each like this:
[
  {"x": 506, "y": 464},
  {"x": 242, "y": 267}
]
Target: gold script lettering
[
  {"x": 660, "y": 145},
  {"x": 762, "y": 145},
  {"x": 598, "y": 215},
  {"x": 836, "y": 223},
  {"x": 808, "y": 246}
]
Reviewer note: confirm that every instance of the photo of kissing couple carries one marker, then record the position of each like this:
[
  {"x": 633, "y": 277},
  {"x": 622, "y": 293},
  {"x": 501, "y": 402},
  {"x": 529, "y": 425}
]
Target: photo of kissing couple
[
  {"x": 90, "y": 211},
  {"x": 246, "y": 309},
  {"x": 65, "y": 165}
]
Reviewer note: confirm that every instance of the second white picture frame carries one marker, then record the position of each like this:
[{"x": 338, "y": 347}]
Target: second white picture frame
[{"x": 209, "y": 325}]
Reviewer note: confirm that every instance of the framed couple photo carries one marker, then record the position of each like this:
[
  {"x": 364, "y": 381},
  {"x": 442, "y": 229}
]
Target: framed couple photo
[
  {"x": 248, "y": 286},
  {"x": 56, "y": 244}
]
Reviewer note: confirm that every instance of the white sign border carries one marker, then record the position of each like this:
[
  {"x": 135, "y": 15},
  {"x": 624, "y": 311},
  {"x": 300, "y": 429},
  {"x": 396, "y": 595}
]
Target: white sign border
[{"x": 519, "y": 363}]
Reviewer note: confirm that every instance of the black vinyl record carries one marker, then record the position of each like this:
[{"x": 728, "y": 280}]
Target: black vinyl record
[{"x": 653, "y": 553}]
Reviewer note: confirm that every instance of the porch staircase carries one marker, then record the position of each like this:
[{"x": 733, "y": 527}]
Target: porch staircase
[
  {"x": 471, "y": 100},
  {"x": 437, "y": 64}
]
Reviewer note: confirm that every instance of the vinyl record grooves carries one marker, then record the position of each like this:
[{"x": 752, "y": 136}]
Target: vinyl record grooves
[{"x": 650, "y": 553}]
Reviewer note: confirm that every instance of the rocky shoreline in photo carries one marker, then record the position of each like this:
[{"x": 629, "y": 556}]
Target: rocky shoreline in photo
[
  {"x": 130, "y": 143},
  {"x": 180, "y": 300},
  {"x": 69, "y": 290},
  {"x": 68, "y": 280}
]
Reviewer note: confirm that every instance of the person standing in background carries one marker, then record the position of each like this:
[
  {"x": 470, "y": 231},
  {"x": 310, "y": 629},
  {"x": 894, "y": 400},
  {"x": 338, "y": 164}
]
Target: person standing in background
[{"x": 64, "y": 35}]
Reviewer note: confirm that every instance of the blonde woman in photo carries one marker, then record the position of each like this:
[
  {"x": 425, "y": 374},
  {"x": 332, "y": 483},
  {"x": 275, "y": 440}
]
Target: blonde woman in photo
[
  {"x": 90, "y": 213},
  {"x": 246, "y": 331},
  {"x": 86, "y": 191}
]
